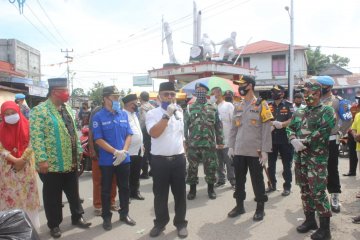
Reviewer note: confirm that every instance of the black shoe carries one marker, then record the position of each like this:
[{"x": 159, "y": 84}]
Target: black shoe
[
  {"x": 236, "y": 211},
  {"x": 156, "y": 231},
  {"x": 126, "y": 219},
  {"x": 269, "y": 190},
  {"x": 285, "y": 193},
  {"x": 55, "y": 232},
  {"x": 107, "y": 224},
  {"x": 137, "y": 196},
  {"x": 259, "y": 213},
  {"x": 192, "y": 193},
  {"x": 182, "y": 232},
  {"x": 211, "y": 192},
  {"x": 308, "y": 224},
  {"x": 81, "y": 223},
  {"x": 219, "y": 184},
  {"x": 144, "y": 176},
  {"x": 323, "y": 233},
  {"x": 356, "y": 220},
  {"x": 349, "y": 174}
]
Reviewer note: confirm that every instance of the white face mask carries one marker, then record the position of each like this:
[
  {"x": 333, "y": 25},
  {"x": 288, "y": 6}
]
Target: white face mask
[
  {"x": 212, "y": 99},
  {"x": 12, "y": 119}
]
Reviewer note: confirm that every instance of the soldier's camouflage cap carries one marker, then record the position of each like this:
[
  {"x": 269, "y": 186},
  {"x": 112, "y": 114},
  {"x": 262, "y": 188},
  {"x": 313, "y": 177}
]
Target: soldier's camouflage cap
[{"x": 314, "y": 86}]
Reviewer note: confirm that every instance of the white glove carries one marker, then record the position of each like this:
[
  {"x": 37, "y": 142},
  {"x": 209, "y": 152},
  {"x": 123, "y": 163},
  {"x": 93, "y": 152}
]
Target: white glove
[
  {"x": 171, "y": 110},
  {"x": 277, "y": 124},
  {"x": 298, "y": 145},
  {"x": 230, "y": 152},
  {"x": 119, "y": 156},
  {"x": 263, "y": 158}
]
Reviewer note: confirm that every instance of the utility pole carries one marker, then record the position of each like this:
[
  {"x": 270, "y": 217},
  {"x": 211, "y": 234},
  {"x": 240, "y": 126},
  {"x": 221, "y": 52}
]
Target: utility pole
[
  {"x": 68, "y": 59},
  {"x": 291, "y": 51}
]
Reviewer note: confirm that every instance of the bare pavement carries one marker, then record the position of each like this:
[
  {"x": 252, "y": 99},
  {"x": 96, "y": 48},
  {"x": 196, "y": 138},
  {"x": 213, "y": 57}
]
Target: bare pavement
[{"x": 208, "y": 218}]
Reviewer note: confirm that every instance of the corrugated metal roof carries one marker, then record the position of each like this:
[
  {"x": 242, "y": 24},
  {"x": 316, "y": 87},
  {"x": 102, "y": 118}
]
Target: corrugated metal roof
[{"x": 265, "y": 46}]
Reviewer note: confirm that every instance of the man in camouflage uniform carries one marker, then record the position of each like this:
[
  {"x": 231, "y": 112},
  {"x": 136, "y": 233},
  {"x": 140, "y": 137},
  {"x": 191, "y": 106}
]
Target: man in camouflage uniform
[
  {"x": 203, "y": 133},
  {"x": 309, "y": 132},
  {"x": 250, "y": 141}
]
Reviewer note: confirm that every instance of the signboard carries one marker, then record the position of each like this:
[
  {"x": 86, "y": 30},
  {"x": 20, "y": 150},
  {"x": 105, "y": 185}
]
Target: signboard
[
  {"x": 37, "y": 91},
  {"x": 142, "y": 81}
]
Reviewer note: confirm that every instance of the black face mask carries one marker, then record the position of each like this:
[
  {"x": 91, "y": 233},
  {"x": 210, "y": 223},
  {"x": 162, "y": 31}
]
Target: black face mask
[
  {"x": 243, "y": 91},
  {"x": 228, "y": 99},
  {"x": 357, "y": 99},
  {"x": 324, "y": 91},
  {"x": 135, "y": 108},
  {"x": 276, "y": 96}
]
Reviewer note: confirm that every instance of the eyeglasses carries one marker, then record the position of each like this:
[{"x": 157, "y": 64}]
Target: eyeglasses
[{"x": 168, "y": 94}]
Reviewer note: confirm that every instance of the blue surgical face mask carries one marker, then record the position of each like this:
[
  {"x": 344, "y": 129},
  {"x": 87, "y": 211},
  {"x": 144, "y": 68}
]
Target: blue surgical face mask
[
  {"x": 116, "y": 106},
  {"x": 164, "y": 105}
]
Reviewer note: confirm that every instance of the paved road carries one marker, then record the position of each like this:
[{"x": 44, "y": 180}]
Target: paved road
[{"x": 208, "y": 218}]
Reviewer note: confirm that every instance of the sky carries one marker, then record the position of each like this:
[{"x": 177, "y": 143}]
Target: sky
[{"x": 114, "y": 40}]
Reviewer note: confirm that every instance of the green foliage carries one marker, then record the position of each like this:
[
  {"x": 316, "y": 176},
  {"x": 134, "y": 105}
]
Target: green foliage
[
  {"x": 78, "y": 92},
  {"x": 95, "y": 93},
  {"x": 318, "y": 61}
]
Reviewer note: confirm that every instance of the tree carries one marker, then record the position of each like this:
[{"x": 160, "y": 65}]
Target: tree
[
  {"x": 318, "y": 61},
  {"x": 78, "y": 92},
  {"x": 95, "y": 93}
]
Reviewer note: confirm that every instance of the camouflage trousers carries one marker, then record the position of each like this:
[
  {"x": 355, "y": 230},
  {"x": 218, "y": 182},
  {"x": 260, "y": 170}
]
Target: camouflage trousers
[
  {"x": 208, "y": 157},
  {"x": 311, "y": 176}
]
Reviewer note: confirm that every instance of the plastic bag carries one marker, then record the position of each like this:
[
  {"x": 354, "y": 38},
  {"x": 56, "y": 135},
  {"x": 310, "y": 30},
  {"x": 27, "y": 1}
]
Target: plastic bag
[{"x": 15, "y": 224}]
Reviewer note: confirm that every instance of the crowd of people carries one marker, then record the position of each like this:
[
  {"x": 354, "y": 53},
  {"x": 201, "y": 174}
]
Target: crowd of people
[{"x": 126, "y": 143}]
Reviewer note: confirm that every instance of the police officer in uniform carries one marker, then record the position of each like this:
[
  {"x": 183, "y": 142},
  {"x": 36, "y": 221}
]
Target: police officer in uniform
[
  {"x": 250, "y": 142},
  {"x": 282, "y": 111},
  {"x": 328, "y": 99},
  {"x": 203, "y": 132}
]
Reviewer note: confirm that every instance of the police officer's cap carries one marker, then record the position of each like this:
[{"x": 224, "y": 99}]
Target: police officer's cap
[
  {"x": 278, "y": 88},
  {"x": 57, "y": 82},
  {"x": 19, "y": 96},
  {"x": 129, "y": 98},
  {"x": 325, "y": 80},
  {"x": 199, "y": 84},
  {"x": 110, "y": 90},
  {"x": 167, "y": 86},
  {"x": 245, "y": 79}
]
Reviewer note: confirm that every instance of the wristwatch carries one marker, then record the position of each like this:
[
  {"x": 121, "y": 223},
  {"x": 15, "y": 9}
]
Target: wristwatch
[{"x": 164, "y": 116}]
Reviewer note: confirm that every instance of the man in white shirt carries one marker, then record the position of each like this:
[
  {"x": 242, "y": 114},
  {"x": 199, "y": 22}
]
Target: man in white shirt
[
  {"x": 226, "y": 111},
  {"x": 135, "y": 149},
  {"x": 168, "y": 164},
  {"x": 298, "y": 101}
]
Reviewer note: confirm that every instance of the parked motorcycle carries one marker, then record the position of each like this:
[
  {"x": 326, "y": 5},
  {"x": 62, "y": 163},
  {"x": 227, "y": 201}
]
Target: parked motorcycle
[{"x": 85, "y": 163}]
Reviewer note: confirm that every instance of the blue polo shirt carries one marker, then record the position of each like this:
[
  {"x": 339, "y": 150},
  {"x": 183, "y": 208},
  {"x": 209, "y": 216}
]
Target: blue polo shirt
[{"x": 112, "y": 128}]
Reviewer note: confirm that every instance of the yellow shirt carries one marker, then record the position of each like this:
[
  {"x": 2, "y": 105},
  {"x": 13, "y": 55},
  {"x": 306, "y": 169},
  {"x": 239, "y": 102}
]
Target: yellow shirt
[{"x": 356, "y": 126}]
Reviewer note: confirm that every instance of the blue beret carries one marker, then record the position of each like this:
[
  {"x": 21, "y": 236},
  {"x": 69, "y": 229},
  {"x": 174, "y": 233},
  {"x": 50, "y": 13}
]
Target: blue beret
[
  {"x": 325, "y": 80},
  {"x": 19, "y": 96},
  {"x": 199, "y": 84}
]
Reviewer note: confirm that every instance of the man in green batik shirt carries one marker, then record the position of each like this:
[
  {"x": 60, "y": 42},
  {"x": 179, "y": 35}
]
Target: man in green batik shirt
[
  {"x": 309, "y": 132},
  {"x": 203, "y": 134}
]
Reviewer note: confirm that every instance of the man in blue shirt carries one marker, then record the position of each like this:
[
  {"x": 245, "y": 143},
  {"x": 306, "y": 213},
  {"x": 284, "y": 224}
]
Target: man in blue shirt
[{"x": 112, "y": 133}]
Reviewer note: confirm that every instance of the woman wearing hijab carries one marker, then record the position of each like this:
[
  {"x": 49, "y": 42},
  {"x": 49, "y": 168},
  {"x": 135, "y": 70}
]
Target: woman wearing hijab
[{"x": 17, "y": 172}]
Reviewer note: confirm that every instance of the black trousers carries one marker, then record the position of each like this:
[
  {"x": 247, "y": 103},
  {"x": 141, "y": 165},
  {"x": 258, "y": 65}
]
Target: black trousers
[
  {"x": 135, "y": 169},
  {"x": 122, "y": 173},
  {"x": 333, "y": 184},
  {"x": 353, "y": 160},
  {"x": 146, "y": 160},
  {"x": 286, "y": 153},
  {"x": 169, "y": 172},
  {"x": 53, "y": 185},
  {"x": 241, "y": 165}
]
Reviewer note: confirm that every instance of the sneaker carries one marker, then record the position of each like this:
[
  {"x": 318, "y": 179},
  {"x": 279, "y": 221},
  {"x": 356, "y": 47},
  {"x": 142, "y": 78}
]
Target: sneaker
[
  {"x": 97, "y": 211},
  {"x": 335, "y": 206},
  {"x": 115, "y": 208},
  {"x": 285, "y": 193},
  {"x": 219, "y": 184},
  {"x": 55, "y": 232},
  {"x": 182, "y": 232},
  {"x": 156, "y": 231}
]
